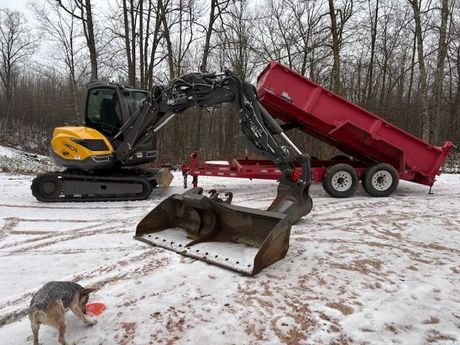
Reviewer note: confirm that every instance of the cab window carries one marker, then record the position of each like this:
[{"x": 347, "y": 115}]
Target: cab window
[
  {"x": 133, "y": 99},
  {"x": 103, "y": 110}
]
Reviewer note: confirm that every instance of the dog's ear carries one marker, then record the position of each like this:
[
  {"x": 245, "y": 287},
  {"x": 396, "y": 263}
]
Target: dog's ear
[{"x": 88, "y": 290}]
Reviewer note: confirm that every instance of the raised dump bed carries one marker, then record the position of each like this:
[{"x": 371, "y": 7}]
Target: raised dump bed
[
  {"x": 366, "y": 137},
  {"x": 379, "y": 153}
]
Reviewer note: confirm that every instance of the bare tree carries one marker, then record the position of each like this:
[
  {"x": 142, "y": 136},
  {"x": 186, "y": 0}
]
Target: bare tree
[
  {"x": 64, "y": 37},
  {"x": 129, "y": 23},
  {"x": 339, "y": 17},
  {"x": 374, "y": 17},
  {"x": 152, "y": 41},
  {"x": 86, "y": 17},
  {"x": 439, "y": 76},
  {"x": 311, "y": 33},
  {"x": 16, "y": 46},
  {"x": 178, "y": 20},
  {"x": 236, "y": 41},
  {"x": 425, "y": 115},
  {"x": 453, "y": 60},
  {"x": 215, "y": 11}
]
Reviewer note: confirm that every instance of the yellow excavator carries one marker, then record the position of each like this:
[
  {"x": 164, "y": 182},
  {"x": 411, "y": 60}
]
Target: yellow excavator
[
  {"x": 91, "y": 154},
  {"x": 119, "y": 132}
]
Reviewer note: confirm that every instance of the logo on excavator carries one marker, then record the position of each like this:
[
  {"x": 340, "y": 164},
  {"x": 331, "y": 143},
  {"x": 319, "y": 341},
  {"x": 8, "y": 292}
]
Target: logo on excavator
[{"x": 70, "y": 147}]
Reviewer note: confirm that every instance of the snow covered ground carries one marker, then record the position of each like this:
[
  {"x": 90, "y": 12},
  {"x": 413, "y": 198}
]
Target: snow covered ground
[
  {"x": 13, "y": 160},
  {"x": 359, "y": 271}
]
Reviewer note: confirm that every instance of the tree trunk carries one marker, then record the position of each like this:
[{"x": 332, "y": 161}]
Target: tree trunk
[
  {"x": 167, "y": 37},
  {"x": 439, "y": 77},
  {"x": 370, "y": 80},
  {"x": 207, "y": 42},
  {"x": 155, "y": 42},
  {"x": 141, "y": 43},
  {"x": 90, "y": 40},
  {"x": 335, "y": 79},
  {"x": 132, "y": 74},
  {"x": 412, "y": 67},
  {"x": 203, "y": 67},
  {"x": 127, "y": 43},
  {"x": 425, "y": 115}
]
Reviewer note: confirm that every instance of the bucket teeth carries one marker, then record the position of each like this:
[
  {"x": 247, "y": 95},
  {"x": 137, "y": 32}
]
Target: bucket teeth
[
  {"x": 214, "y": 195},
  {"x": 229, "y": 196}
]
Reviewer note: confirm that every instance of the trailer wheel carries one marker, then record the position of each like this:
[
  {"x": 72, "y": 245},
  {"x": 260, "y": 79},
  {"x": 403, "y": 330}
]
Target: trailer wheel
[
  {"x": 340, "y": 181},
  {"x": 380, "y": 180}
]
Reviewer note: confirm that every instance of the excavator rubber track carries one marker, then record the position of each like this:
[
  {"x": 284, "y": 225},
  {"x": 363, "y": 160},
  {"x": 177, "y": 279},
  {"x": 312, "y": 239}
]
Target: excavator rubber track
[{"x": 68, "y": 186}]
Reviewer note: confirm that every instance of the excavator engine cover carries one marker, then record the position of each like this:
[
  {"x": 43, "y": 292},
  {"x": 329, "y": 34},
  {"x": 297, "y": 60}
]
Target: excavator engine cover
[{"x": 239, "y": 238}]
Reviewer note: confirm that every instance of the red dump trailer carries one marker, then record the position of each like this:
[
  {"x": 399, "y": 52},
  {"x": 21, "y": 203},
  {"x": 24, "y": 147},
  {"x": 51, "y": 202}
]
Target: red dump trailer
[{"x": 379, "y": 153}]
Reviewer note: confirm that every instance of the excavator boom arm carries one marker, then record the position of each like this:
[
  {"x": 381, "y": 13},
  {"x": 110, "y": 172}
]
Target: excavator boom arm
[{"x": 207, "y": 90}]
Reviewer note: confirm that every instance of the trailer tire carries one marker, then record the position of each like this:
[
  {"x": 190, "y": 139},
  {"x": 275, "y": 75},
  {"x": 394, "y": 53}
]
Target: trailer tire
[
  {"x": 340, "y": 181},
  {"x": 380, "y": 180}
]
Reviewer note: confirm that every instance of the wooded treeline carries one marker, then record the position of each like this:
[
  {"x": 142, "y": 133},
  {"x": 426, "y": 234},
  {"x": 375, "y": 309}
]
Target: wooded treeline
[{"x": 397, "y": 58}]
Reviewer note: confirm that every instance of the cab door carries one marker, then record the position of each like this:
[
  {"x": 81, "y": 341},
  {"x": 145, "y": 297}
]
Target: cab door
[{"x": 103, "y": 110}]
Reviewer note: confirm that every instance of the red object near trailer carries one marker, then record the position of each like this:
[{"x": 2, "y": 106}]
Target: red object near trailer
[{"x": 381, "y": 152}]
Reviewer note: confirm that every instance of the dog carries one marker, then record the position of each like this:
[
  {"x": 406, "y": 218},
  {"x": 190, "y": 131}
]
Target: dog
[{"x": 49, "y": 305}]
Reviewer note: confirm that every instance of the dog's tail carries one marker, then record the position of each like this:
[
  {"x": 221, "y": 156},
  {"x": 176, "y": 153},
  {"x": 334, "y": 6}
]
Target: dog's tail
[{"x": 13, "y": 316}]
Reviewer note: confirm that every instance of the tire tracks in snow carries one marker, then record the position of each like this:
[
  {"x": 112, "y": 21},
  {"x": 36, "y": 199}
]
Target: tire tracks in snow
[{"x": 126, "y": 268}]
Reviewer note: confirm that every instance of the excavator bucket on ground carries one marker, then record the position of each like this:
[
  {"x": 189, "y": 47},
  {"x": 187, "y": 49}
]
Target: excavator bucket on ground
[{"x": 239, "y": 238}]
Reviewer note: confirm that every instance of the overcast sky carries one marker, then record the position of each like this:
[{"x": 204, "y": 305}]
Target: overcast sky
[
  {"x": 42, "y": 54},
  {"x": 17, "y": 4},
  {"x": 22, "y": 6}
]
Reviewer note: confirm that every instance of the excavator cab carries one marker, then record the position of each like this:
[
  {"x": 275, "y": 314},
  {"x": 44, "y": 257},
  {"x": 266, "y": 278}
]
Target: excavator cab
[
  {"x": 93, "y": 146},
  {"x": 104, "y": 111},
  {"x": 110, "y": 105}
]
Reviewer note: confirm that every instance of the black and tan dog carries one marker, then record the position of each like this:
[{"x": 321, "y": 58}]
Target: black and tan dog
[{"x": 49, "y": 305}]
